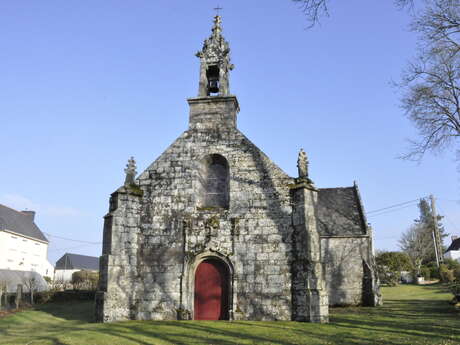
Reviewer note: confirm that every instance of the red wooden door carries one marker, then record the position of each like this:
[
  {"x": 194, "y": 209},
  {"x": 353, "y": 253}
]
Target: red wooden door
[{"x": 211, "y": 297}]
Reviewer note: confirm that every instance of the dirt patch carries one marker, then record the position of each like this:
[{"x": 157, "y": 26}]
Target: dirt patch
[
  {"x": 4, "y": 313},
  {"x": 429, "y": 282}
]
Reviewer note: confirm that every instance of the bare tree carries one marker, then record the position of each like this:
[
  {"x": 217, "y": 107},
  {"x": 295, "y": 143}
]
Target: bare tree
[
  {"x": 31, "y": 285},
  {"x": 431, "y": 84},
  {"x": 439, "y": 24},
  {"x": 18, "y": 296},
  {"x": 417, "y": 243},
  {"x": 314, "y": 10},
  {"x": 3, "y": 292}
]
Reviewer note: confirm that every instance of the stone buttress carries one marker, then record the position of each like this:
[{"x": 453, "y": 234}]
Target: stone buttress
[{"x": 310, "y": 296}]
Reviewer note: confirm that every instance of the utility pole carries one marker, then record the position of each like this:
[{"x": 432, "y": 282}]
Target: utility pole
[{"x": 436, "y": 235}]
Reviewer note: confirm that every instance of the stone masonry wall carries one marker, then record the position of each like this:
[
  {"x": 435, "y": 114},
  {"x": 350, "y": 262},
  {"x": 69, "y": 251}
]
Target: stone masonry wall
[
  {"x": 253, "y": 235},
  {"x": 343, "y": 258},
  {"x": 118, "y": 271}
]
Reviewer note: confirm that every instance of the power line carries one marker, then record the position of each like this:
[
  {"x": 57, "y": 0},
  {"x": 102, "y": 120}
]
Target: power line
[
  {"x": 390, "y": 211},
  {"x": 70, "y": 239},
  {"x": 64, "y": 249},
  {"x": 385, "y": 238},
  {"x": 448, "y": 219},
  {"x": 396, "y": 205},
  {"x": 450, "y": 200}
]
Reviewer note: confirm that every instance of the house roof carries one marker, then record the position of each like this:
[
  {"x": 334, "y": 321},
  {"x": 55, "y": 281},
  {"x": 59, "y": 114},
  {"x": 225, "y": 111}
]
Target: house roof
[
  {"x": 13, "y": 278},
  {"x": 455, "y": 245},
  {"x": 340, "y": 212},
  {"x": 76, "y": 261},
  {"x": 20, "y": 223}
]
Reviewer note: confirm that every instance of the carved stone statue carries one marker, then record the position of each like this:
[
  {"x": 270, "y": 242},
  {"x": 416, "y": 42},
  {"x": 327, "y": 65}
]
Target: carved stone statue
[
  {"x": 130, "y": 171},
  {"x": 302, "y": 165}
]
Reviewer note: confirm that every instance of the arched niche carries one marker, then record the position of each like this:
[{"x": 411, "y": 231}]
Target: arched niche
[{"x": 213, "y": 182}]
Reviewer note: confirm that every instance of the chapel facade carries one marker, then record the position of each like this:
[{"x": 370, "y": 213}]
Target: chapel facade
[{"x": 214, "y": 230}]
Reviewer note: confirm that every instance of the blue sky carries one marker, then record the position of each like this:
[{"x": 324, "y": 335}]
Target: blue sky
[{"x": 84, "y": 85}]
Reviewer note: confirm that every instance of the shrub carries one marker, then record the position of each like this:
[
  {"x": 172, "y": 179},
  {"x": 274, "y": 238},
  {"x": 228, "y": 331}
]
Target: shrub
[
  {"x": 389, "y": 277},
  {"x": 452, "y": 264},
  {"x": 434, "y": 272},
  {"x": 73, "y": 295},
  {"x": 43, "y": 296},
  {"x": 447, "y": 275},
  {"x": 425, "y": 272},
  {"x": 390, "y": 265},
  {"x": 455, "y": 289},
  {"x": 86, "y": 280},
  {"x": 457, "y": 274}
]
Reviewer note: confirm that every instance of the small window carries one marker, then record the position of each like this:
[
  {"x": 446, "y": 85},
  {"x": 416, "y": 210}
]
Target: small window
[
  {"x": 24, "y": 240},
  {"x": 37, "y": 244},
  {"x": 9, "y": 260},
  {"x": 14, "y": 237}
]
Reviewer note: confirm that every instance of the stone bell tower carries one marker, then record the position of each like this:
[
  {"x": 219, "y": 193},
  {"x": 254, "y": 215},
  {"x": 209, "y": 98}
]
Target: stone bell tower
[
  {"x": 215, "y": 63},
  {"x": 214, "y": 108}
]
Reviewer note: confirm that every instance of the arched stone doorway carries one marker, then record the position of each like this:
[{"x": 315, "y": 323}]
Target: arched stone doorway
[{"x": 211, "y": 293}]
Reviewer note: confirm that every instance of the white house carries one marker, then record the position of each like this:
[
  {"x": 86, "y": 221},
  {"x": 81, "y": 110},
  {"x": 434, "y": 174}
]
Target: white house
[
  {"x": 453, "y": 252},
  {"x": 70, "y": 263},
  {"x": 23, "y": 247}
]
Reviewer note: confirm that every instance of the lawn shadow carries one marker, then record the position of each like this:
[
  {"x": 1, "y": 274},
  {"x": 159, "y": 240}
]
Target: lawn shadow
[
  {"x": 428, "y": 319},
  {"x": 183, "y": 333},
  {"x": 73, "y": 311}
]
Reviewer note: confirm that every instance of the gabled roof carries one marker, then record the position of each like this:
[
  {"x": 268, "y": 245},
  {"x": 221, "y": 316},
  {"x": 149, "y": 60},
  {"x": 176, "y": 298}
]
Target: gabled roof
[
  {"x": 75, "y": 261},
  {"x": 340, "y": 212},
  {"x": 13, "y": 278},
  {"x": 19, "y": 223},
  {"x": 455, "y": 245}
]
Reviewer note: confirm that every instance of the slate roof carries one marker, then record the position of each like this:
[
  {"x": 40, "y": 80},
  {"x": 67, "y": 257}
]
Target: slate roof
[
  {"x": 455, "y": 245},
  {"x": 19, "y": 223},
  {"x": 13, "y": 278},
  {"x": 340, "y": 212},
  {"x": 75, "y": 261}
]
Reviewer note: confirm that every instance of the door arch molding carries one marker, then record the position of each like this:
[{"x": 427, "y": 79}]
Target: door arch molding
[{"x": 222, "y": 259}]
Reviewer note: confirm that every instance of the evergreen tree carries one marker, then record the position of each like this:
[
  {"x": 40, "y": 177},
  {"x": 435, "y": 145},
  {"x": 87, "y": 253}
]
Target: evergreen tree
[{"x": 426, "y": 222}]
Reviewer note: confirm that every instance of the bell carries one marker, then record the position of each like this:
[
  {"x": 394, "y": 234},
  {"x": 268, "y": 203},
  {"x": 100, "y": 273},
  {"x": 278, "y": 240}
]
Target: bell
[{"x": 213, "y": 86}]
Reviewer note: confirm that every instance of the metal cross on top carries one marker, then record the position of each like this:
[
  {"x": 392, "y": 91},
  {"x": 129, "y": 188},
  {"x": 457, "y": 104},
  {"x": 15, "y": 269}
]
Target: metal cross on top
[{"x": 217, "y": 9}]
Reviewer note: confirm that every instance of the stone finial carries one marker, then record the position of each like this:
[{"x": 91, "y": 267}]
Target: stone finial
[
  {"x": 217, "y": 29},
  {"x": 302, "y": 165},
  {"x": 130, "y": 171}
]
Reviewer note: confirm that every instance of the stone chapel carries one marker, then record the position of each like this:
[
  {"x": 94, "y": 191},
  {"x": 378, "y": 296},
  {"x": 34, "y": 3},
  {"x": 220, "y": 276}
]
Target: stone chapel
[{"x": 214, "y": 230}]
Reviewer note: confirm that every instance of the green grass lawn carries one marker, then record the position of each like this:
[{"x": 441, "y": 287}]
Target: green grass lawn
[{"x": 411, "y": 315}]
